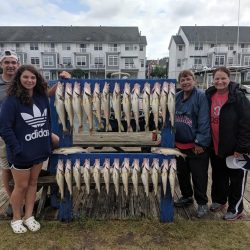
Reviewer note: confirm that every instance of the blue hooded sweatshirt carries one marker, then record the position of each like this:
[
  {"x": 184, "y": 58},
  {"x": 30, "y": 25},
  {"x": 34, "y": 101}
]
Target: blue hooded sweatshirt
[
  {"x": 192, "y": 118},
  {"x": 26, "y": 130}
]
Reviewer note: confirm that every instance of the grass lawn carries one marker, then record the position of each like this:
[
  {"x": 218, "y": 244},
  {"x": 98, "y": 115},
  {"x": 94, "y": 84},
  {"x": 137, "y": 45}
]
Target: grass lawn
[{"x": 139, "y": 234}]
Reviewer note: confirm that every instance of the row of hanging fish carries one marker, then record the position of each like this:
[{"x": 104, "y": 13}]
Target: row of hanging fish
[
  {"x": 72, "y": 101},
  {"x": 166, "y": 172}
]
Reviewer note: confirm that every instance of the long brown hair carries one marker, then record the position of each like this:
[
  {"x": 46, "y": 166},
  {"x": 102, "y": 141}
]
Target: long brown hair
[{"x": 16, "y": 88}]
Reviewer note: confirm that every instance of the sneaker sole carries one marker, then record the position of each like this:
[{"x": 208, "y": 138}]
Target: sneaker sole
[{"x": 239, "y": 216}]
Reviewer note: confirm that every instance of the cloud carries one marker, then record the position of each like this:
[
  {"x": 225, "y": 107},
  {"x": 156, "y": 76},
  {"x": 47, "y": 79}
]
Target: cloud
[{"x": 158, "y": 20}]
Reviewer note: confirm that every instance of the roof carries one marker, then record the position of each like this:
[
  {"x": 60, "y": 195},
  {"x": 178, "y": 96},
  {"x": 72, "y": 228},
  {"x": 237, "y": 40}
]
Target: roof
[
  {"x": 178, "y": 39},
  {"x": 220, "y": 34},
  {"x": 71, "y": 34}
]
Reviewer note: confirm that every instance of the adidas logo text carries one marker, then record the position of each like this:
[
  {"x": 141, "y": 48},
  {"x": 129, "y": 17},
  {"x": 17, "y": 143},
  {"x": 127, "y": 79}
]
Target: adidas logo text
[{"x": 37, "y": 134}]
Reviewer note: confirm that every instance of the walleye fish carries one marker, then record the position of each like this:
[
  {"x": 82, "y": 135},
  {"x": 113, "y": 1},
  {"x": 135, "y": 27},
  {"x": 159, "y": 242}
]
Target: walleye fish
[
  {"x": 135, "y": 177},
  {"x": 172, "y": 175},
  {"x": 156, "y": 104},
  {"x": 68, "y": 176},
  {"x": 86, "y": 174},
  {"x": 77, "y": 174},
  {"x": 106, "y": 173},
  {"x": 164, "y": 102},
  {"x": 155, "y": 174},
  {"x": 146, "y": 104},
  {"x": 171, "y": 104},
  {"x": 97, "y": 175},
  {"x": 60, "y": 177},
  {"x": 125, "y": 174},
  {"x": 126, "y": 104},
  {"x": 168, "y": 151},
  {"x": 164, "y": 175},
  {"x": 69, "y": 150},
  {"x": 116, "y": 100},
  {"x": 88, "y": 105},
  {"x": 116, "y": 175},
  {"x": 135, "y": 104},
  {"x": 77, "y": 104},
  {"x": 68, "y": 104},
  {"x": 97, "y": 105},
  {"x": 59, "y": 104},
  {"x": 145, "y": 175},
  {"x": 106, "y": 105}
]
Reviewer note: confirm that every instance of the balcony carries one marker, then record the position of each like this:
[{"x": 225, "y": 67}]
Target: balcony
[
  {"x": 217, "y": 50},
  {"x": 130, "y": 66},
  {"x": 114, "y": 49},
  {"x": 49, "y": 50},
  {"x": 97, "y": 66}
]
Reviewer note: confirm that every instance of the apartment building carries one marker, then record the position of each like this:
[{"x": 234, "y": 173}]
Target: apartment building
[
  {"x": 99, "y": 51},
  {"x": 202, "y": 48}
]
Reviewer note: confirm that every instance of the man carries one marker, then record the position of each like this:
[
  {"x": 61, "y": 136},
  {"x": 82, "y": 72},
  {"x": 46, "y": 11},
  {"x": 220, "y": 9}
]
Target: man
[{"x": 9, "y": 63}]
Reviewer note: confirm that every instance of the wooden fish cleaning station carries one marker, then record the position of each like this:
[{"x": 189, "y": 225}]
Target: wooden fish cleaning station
[{"x": 132, "y": 145}]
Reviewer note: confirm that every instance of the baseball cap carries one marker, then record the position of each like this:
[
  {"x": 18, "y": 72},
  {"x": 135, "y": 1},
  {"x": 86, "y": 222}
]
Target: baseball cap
[
  {"x": 242, "y": 162},
  {"x": 8, "y": 53}
]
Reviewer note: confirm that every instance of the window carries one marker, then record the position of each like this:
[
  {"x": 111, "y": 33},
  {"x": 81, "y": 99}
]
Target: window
[
  {"x": 246, "y": 60},
  {"x": 34, "y": 46},
  {"x": 212, "y": 45},
  {"x": 113, "y": 47},
  {"x": 48, "y": 61},
  {"x": 81, "y": 60},
  {"x": 197, "y": 62},
  {"x": 198, "y": 46},
  {"x": 242, "y": 45},
  {"x": 83, "y": 47},
  {"x": 142, "y": 63},
  {"x": 178, "y": 62},
  {"x": 128, "y": 47},
  {"x": 230, "y": 61},
  {"x": 97, "y": 46},
  {"x": 1, "y": 46},
  {"x": 46, "y": 75},
  {"x": 180, "y": 47},
  {"x": 112, "y": 60},
  {"x": 141, "y": 47},
  {"x": 248, "y": 76},
  {"x": 66, "y": 60},
  {"x": 65, "y": 46},
  {"x": 99, "y": 60},
  {"x": 129, "y": 63},
  {"x": 35, "y": 60},
  {"x": 219, "y": 60},
  {"x": 230, "y": 46}
]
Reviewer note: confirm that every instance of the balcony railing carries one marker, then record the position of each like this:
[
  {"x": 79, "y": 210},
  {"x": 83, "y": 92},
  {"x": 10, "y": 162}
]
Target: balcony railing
[
  {"x": 114, "y": 49},
  {"x": 130, "y": 66},
  {"x": 97, "y": 66}
]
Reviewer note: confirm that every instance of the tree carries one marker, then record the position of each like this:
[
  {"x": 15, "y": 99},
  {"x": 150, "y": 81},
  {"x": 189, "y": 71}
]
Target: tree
[
  {"x": 159, "y": 71},
  {"x": 78, "y": 73}
]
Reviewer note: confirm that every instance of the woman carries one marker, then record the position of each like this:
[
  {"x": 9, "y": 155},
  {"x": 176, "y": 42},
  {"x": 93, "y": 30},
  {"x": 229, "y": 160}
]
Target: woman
[
  {"x": 192, "y": 138},
  {"x": 25, "y": 128},
  {"x": 230, "y": 124}
]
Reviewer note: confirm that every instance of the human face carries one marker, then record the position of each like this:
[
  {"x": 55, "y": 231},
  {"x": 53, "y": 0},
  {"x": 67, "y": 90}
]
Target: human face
[
  {"x": 28, "y": 81},
  {"x": 187, "y": 83},
  {"x": 9, "y": 66},
  {"x": 221, "y": 81}
]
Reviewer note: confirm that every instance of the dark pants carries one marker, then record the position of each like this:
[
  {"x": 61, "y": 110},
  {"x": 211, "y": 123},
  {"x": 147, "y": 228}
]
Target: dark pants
[
  {"x": 227, "y": 184},
  {"x": 197, "y": 167}
]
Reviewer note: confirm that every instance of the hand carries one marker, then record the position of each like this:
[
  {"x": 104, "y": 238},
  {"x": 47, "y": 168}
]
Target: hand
[
  {"x": 198, "y": 149},
  {"x": 65, "y": 74},
  {"x": 237, "y": 154}
]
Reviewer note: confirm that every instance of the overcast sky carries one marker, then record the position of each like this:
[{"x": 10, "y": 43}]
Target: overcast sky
[{"x": 158, "y": 20}]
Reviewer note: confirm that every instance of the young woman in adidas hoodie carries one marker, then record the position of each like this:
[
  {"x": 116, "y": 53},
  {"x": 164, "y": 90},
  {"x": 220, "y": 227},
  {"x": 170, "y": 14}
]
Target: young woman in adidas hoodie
[{"x": 25, "y": 128}]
